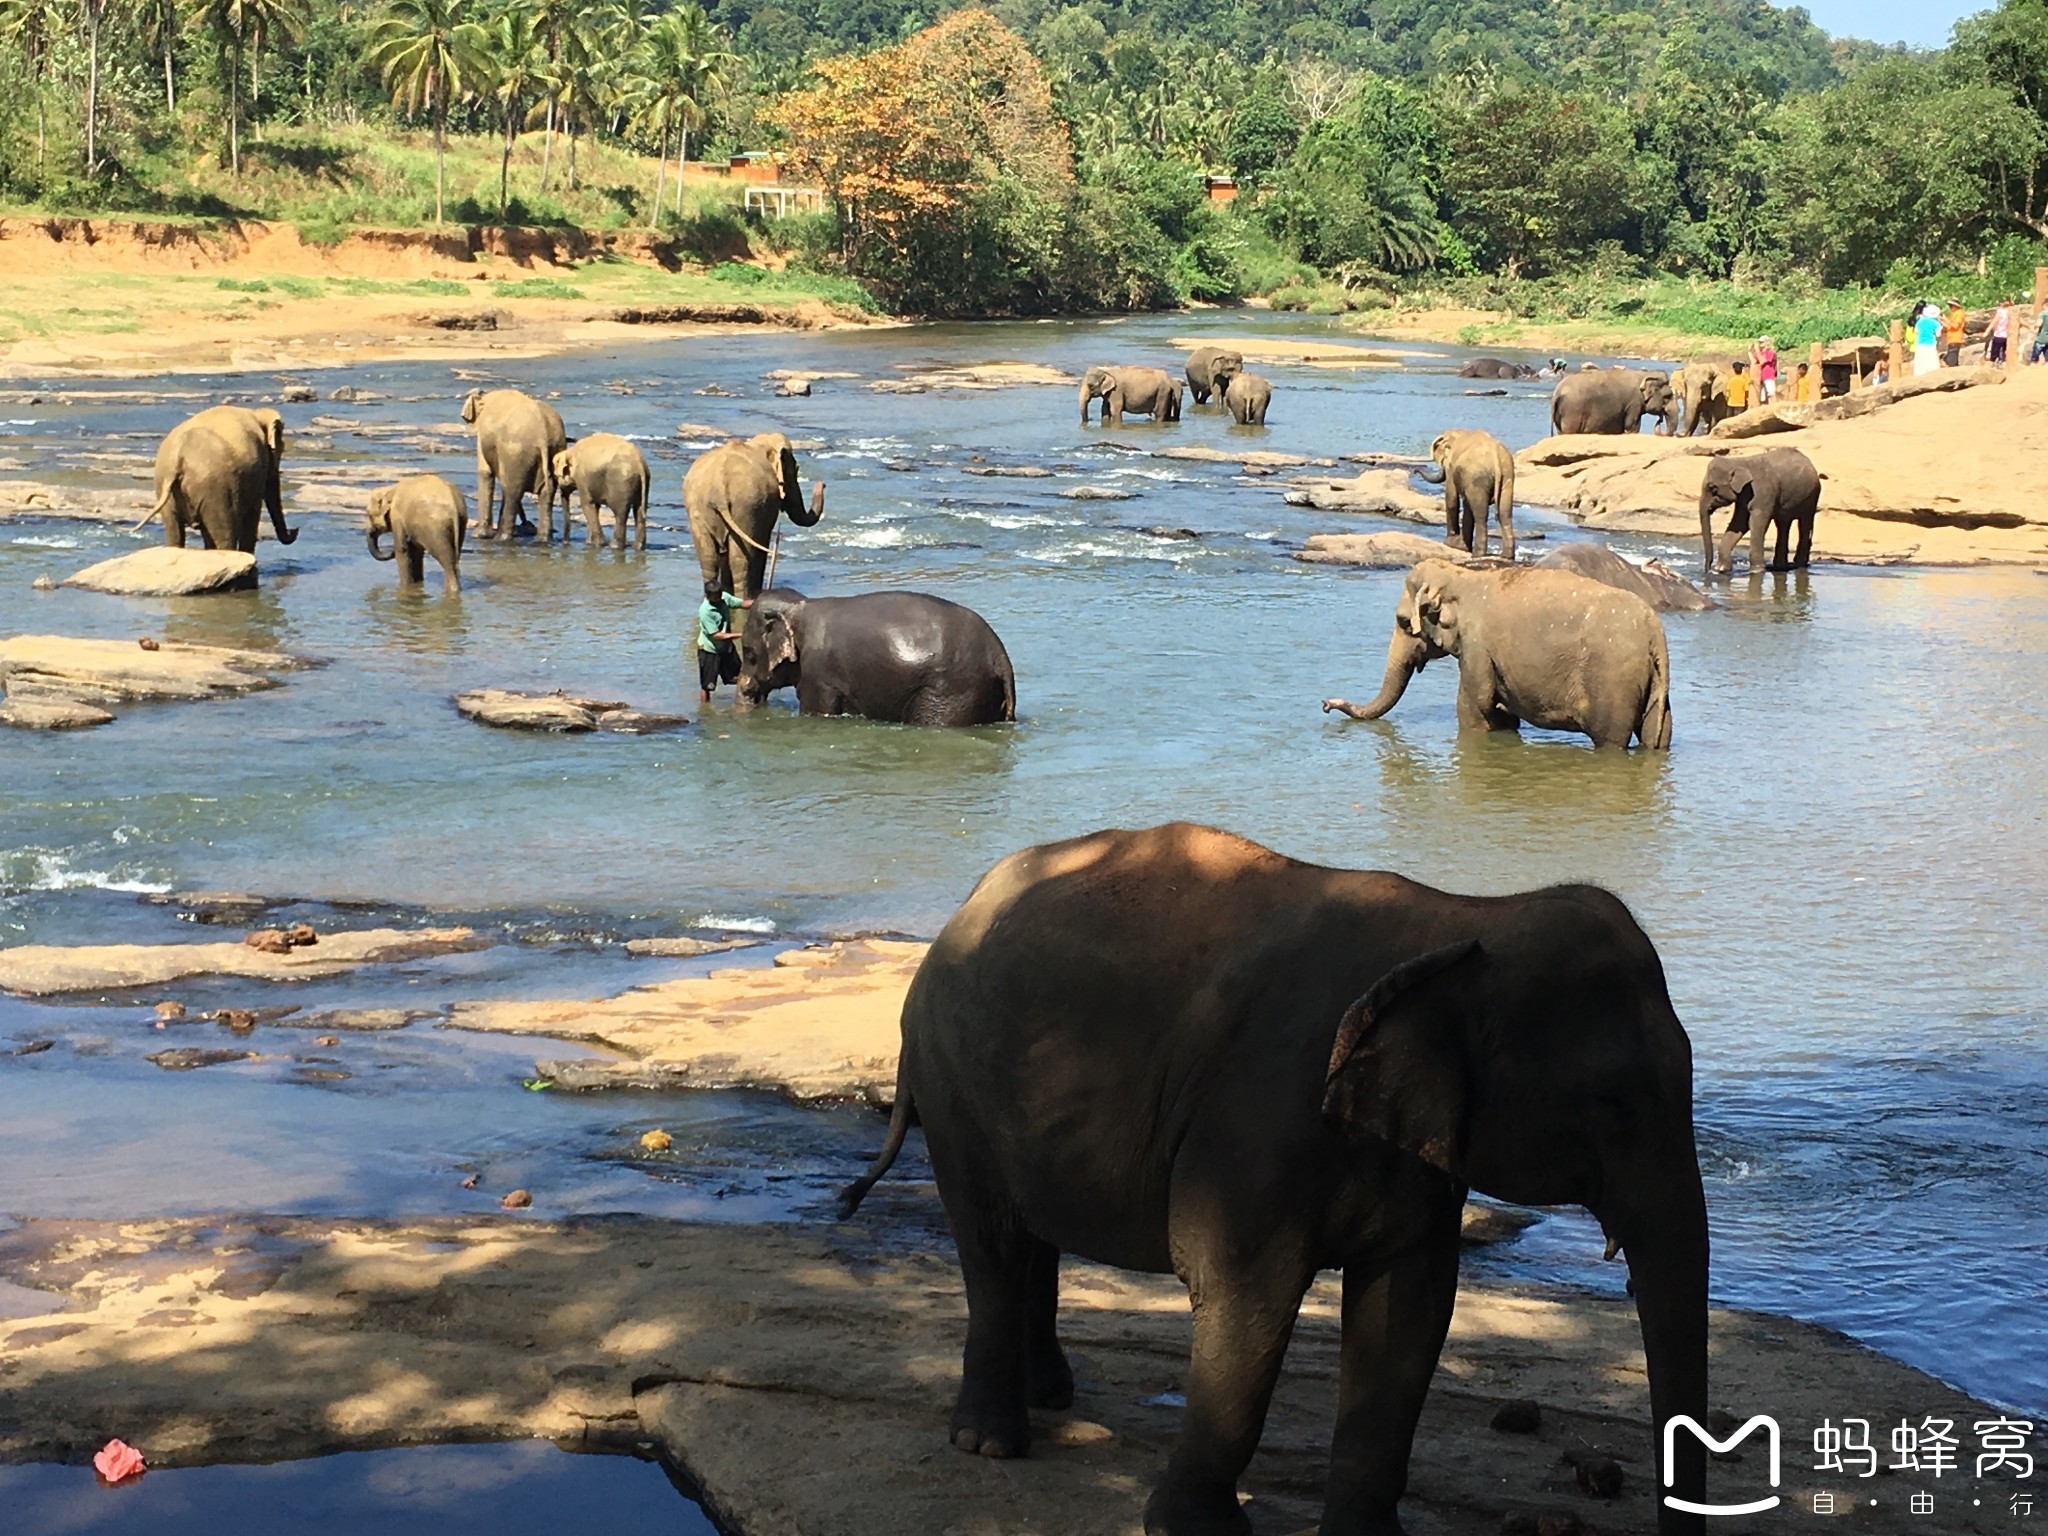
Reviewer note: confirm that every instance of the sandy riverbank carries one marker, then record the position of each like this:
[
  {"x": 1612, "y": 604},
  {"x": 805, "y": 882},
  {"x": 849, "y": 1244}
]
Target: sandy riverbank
[
  {"x": 803, "y": 1376},
  {"x": 117, "y": 299},
  {"x": 1515, "y": 337}
]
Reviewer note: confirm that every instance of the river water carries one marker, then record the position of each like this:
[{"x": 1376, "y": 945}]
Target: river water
[{"x": 1841, "y": 859}]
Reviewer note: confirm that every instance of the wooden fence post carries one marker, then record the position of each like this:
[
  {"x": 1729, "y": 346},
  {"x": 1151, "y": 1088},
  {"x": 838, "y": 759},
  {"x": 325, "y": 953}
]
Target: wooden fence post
[
  {"x": 1895, "y": 354},
  {"x": 1814, "y": 354}
]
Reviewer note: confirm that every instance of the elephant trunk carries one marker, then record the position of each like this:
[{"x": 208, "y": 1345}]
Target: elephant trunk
[
  {"x": 1406, "y": 655},
  {"x": 376, "y": 551},
  {"x": 809, "y": 519},
  {"x": 1667, "y": 1246},
  {"x": 1433, "y": 473},
  {"x": 276, "y": 507}
]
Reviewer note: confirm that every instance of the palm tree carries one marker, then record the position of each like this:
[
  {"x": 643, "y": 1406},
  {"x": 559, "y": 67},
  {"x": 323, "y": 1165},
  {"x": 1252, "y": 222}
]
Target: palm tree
[
  {"x": 678, "y": 64},
  {"x": 93, "y": 12},
  {"x": 262, "y": 18},
  {"x": 519, "y": 73},
  {"x": 428, "y": 50},
  {"x": 160, "y": 31},
  {"x": 30, "y": 26},
  {"x": 227, "y": 22}
]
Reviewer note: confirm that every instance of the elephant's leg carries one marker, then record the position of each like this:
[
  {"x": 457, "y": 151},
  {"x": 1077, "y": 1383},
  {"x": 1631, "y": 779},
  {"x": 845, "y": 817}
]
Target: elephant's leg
[
  {"x": 174, "y": 520},
  {"x": 1504, "y": 514},
  {"x": 1450, "y": 509},
  {"x": 639, "y": 522},
  {"x": 744, "y": 557},
  {"x": 488, "y": 525},
  {"x": 451, "y": 576},
  {"x": 996, "y": 1264},
  {"x": 412, "y": 563},
  {"x": 1395, "y": 1320},
  {"x": 1805, "y": 552},
  {"x": 1760, "y": 519},
  {"x": 593, "y": 523},
  {"x": 1245, "y": 1295},
  {"x": 1049, "y": 1380},
  {"x": 1724, "y": 549},
  {"x": 1779, "y": 562}
]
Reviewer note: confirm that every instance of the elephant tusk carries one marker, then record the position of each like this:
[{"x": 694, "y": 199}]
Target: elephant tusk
[
  {"x": 741, "y": 534},
  {"x": 1613, "y": 1247}
]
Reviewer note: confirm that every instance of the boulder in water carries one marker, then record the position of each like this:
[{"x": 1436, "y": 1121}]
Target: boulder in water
[
  {"x": 560, "y": 712},
  {"x": 161, "y": 571}
]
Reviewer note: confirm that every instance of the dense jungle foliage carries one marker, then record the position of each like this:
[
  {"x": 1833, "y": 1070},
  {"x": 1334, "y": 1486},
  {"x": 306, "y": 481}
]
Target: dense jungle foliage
[{"x": 1035, "y": 155}]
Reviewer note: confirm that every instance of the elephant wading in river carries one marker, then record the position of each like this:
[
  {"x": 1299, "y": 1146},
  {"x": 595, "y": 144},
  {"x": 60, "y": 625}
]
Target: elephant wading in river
[
  {"x": 1609, "y": 400},
  {"x": 1209, "y": 371},
  {"x": 733, "y": 493},
  {"x": 1778, "y": 486},
  {"x": 609, "y": 473},
  {"x": 1175, "y": 1050},
  {"x": 218, "y": 472},
  {"x": 1130, "y": 392},
  {"x": 1548, "y": 647},
  {"x": 1477, "y": 472},
  {"x": 1247, "y": 396},
  {"x": 901, "y": 656},
  {"x": 424, "y": 515},
  {"x": 517, "y": 438}
]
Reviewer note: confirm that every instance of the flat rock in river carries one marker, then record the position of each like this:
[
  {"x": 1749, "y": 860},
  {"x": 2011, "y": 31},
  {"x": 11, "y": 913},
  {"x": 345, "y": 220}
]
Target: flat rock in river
[
  {"x": 29, "y": 713},
  {"x": 801, "y": 1375},
  {"x": 161, "y": 571},
  {"x": 559, "y": 712},
  {"x": 40, "y": 970},
  {"x": 110, "y": 671},
  {"x": 1391, "y": 550},
  {"x": 819, "y": 1023}
]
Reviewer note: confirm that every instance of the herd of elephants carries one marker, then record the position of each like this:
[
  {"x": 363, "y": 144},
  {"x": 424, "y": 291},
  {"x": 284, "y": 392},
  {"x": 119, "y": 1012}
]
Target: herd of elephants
[{"x": 1320, "y": 1064}]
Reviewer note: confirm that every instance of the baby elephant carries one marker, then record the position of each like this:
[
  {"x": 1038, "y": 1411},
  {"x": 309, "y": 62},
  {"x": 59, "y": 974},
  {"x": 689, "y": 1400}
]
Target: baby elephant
[
  {"x": 1779, "y": 485},
  {"x": 1247, "y": 395},
  {"x": 424, "y": 515},
  {"x": 1130, "y": 392},
  {"x": 900, "y": 656},
  {"x": 608, "y": 472},
  {"x": 1477, "y": 472}
]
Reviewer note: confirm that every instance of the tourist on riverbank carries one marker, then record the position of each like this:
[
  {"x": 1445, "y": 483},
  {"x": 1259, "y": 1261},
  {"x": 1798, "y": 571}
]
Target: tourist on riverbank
[
  {"x": 1763, "y": 362},
  {"x": 1805, "y": 385},
  {"x": 1741, "y": 387},
  {"x": 717, "y": 659},
  {"x": 2001, "y": 333},
  {"x": 1926, "y": 338},
  {"x": 1954, "y": 326},
  {"x": 2037, "y": 349}
]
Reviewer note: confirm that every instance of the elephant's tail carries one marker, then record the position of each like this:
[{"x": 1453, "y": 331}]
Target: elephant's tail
[
  {"x": 163, "y": 503},
  {"x": 1655, "y": 731},
  {"x": 741, "y": 534},
  {"x": 901, "y": 1114}
]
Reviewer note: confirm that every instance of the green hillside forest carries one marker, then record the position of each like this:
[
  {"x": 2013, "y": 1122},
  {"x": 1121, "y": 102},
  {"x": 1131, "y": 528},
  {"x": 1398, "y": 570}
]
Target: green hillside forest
[{"x": 1537, "y": 156}]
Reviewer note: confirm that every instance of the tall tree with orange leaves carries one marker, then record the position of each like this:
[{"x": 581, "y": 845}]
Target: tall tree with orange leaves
[{"x": 950, "y": 170}]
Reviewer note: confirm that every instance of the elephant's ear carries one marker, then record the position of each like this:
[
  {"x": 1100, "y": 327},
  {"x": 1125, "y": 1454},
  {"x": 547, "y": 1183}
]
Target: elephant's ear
[
  {"x": 1397, "y": 1073},
  {"x": 273, "y": 431}
]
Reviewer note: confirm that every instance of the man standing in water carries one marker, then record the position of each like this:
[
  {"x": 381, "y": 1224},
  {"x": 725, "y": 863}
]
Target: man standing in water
[{"x": 718, "y": 661}]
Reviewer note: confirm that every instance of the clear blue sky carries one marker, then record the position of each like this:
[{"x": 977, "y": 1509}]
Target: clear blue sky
[{"x": 1924, "y": 22}]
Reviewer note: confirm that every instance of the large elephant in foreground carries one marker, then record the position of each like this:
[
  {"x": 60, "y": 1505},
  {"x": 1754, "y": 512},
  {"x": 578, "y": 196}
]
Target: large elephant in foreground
[
  {"x": 1702, "y": 391},
  {"x": 1609, "y": 400},
  {"x": 1477, "y": 472},
  {"x": 1548, "y": 647},
  {"x": 902, "y": 656},
  {"x": 517, "y": 438},
  {"x": 610, "y": 473},
  {"x": 1778, "y": 486},
  {"x": 1130, "y": 392},
  {"x": 423, "y": 515},
  {"x": 1209, "y": 371},
  {"x": 1177, "y": 1050},
  {"x": 733, "y": 494},
  {"x": 217, "y": 471}
]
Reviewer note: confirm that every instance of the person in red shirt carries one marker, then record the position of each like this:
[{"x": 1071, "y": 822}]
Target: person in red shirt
[{"x": 1763, "y": 366}]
